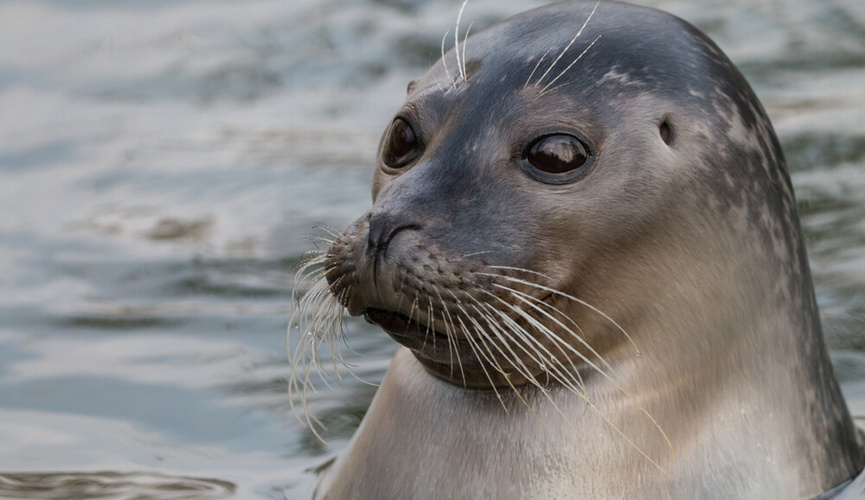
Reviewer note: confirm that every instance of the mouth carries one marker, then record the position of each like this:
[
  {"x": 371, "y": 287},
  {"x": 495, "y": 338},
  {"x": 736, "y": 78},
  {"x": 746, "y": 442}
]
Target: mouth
[
  {"x": 433, "y": 349},
  {"x": 411, "y": 333},
  {"x": 399, "y": 326},
  {"x": 441, "y": 352}
]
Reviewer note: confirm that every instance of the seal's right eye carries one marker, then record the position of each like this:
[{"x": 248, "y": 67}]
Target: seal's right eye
[
  {"x": 402, "y": 145},
  {"x": 557, "y": 154}
]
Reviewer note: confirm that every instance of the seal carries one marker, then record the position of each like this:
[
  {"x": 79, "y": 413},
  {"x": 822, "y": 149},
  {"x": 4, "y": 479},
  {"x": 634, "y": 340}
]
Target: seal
[{"x": 585, "y": 239}]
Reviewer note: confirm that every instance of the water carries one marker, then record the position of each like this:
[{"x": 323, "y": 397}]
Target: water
[{"x": 163, "y": 163}]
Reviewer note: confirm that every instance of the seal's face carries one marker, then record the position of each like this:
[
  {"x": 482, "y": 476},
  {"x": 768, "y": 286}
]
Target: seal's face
[{"x": 517, "y": 178}]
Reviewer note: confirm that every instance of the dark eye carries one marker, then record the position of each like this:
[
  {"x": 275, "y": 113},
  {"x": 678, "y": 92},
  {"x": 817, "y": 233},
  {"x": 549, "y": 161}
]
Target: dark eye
[
  {"x": 557, "y": 154},
  {"x": 401, "y": 146}
]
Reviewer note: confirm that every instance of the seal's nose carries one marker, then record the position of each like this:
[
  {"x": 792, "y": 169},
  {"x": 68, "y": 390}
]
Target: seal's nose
[{"x": 383, "y": 227}]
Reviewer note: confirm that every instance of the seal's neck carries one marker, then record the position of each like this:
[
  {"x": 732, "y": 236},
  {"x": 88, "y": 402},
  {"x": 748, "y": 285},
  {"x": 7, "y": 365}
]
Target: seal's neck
[
  {"x": 551, "y": 444},
  {"x": 732, "y": 363}
]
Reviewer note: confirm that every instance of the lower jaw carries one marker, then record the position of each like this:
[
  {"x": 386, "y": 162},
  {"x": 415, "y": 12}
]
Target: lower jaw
[
  {"x": 452, "y": 360},
  {"x": 472, "y": 375},
  {"x": 404, "y": 330}
]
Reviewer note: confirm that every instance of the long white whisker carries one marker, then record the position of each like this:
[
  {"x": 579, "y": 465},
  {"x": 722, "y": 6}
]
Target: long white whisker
[
  {"x": 522, "y": 297},
  {"x": 610, "y": 378},
  {"x": 529, "y": 79},
  {"x": 597, "y": 411},
  {"x": 501, "y": 334},
  {"x": 465, "y": 44},
  {"x": 451, "y": 337},
  {"x": 445, "y": 61},
  {"x": 526, "y": 372},
  {"x": 428, "y": 327},
  {"x": 515, "y": 360},
  {"x": 544, "y": 90},
  {"x": 439, "y": 85},
  {"x": 457, "y": 40},
  {"x": 557, "y": 341},
  {"x": 570, "y": 297},
  {"x": 575, "y": 386},
  {"x": 317, "y": 319},
  {"x": 541, "y": 79},
  {"x": 473, "y": 254},
  {"x": 480, "y": 357},
  {"x": 329, "y": 230},
  {"x": 468, "y": 337}
]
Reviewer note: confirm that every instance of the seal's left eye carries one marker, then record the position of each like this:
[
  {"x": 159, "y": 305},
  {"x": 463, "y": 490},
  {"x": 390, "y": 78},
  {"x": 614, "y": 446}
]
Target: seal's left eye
[
  {"x": 402, "y": 145},
  {"x": 557, "y": 154}
]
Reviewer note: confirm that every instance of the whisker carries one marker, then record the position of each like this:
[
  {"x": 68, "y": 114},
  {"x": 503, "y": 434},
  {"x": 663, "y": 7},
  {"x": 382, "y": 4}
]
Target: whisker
[
  {"x": 308, "y": 272},
  {"x": 520, "y": 366},
  {"x": 414, "y": 308},
  {"x": 465, "y": 43},
  {"x": 451, "y": 338},
  {"x": 557, "y": 341},
  {"x": 329, "y": 230},
  {"x": 445, "y": 61},
  {"x": 521, "y": 270},
  {"x": 566, "y": 380},
  {"x": 528, "y": 375},
  {"x": 317, "y": 320},
  {"x": 427, "y": 333},
  {"x": 432, "y": 320},
  {"x": 556, "y": 310},
  {"x": 468, "y": 337},
  {"x": 457, "y": 40},
  {"x": 439, "y": 85},
  {"x": 544, "y": 90},
  {"x": 517, "y": 329},
  {"x": 570, "y": 297},
  {"x": 529, "y": 79},
  {"x": 478, "y": 356},
  {"x": 628, "y": 440},
  {"x": 541, "y": 79},
  {"x": 473, "y": 254},
  {"x": 483, "y": 337},
  {"x": 522, "y": 297},
  {"x": 617, "y": 384},
  {"x": 551, "y": 364}
]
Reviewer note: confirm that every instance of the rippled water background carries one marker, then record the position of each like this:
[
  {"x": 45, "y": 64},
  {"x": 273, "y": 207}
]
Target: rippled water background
[{"x": 163, "y": 163}]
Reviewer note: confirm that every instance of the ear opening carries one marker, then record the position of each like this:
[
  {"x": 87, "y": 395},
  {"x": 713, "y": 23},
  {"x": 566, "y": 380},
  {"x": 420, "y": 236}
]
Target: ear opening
[{"x": 666, "y": 131}]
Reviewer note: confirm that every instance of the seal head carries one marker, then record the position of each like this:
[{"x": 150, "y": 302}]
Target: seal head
[{"x": 587, "y": 205}]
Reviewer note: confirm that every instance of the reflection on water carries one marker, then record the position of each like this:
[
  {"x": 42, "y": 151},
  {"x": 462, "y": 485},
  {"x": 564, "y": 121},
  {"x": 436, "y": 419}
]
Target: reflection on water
[
  {"x": 62, "y": 486},
  {"x": 163, "y": 164}
]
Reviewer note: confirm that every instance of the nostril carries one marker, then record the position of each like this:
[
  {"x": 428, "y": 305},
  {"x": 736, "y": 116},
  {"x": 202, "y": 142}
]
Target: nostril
[{"x": 382, "y": 230}]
